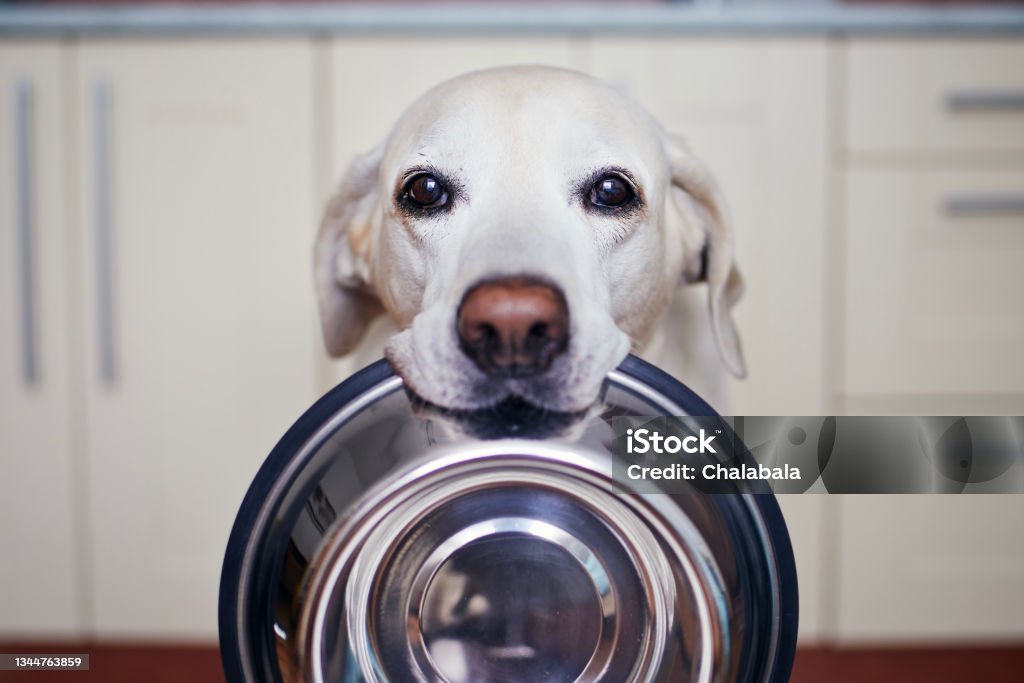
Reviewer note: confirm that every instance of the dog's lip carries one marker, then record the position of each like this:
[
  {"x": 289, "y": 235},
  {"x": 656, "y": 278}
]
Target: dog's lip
[{"x": 511, "y": 416}]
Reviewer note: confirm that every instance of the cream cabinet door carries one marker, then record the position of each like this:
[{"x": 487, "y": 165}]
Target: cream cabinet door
[
  {"x": 930, "y": 568},
  {"x": 374, "y": 79},
  {"x": 195, "y": 206},
  {"x": 755, "y": 112},
  {"x": 40, "y": 482}
]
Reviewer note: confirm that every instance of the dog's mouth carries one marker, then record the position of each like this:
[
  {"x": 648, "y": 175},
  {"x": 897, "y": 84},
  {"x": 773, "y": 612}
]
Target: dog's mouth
[
  {"x": 449, "y": 384},
  {"x": 512, "y": 417}
]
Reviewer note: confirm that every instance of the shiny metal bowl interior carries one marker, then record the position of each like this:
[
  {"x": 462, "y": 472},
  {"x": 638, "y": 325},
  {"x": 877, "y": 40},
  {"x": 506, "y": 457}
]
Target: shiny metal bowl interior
[{"x": 379, "y": 543}]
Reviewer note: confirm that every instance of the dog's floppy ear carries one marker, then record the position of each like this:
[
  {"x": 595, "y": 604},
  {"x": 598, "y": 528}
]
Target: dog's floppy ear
[
  {"x": 342, "y": 267},
  {"x": 712, "y": 259}
]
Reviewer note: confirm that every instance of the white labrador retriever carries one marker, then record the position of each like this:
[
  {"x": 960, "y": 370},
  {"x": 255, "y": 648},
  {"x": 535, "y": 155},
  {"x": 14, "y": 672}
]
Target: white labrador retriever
[{"x": 524, "y": 228}]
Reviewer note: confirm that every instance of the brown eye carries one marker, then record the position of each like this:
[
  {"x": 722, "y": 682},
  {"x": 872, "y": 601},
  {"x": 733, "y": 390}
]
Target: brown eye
[
  {"x": 611, "y": 192},
  {"x": 426, "y": 192}
]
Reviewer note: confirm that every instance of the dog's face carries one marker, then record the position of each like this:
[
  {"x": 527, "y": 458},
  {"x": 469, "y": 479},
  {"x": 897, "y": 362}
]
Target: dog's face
[{"x": 524, "y": 227}]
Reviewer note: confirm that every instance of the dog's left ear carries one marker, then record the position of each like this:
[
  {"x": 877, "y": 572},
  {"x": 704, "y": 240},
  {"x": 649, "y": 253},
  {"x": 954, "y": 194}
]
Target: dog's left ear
[
  {"x": 710, "y": 255},
  {"x": 344, "y": 291}
]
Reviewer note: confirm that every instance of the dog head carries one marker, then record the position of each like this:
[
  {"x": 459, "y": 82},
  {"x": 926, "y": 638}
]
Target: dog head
[{"x": 524, "y": 227}]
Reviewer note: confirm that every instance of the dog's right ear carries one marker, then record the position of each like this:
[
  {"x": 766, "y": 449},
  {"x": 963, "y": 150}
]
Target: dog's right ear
[
  {"x": 344, "y": 288},
  {"x": 712, "y": 258}
]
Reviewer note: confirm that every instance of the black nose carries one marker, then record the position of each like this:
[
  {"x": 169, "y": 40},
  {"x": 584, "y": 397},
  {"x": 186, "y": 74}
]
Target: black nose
[{"x": 513, "y": 326}]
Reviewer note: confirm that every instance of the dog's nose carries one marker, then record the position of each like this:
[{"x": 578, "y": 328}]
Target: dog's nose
[{"x": 513, "y": 326}]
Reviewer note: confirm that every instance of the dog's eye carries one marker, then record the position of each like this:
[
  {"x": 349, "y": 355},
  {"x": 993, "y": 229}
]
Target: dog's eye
[
  {"x": 611, "y": 192},
  {"x": 426, "y": 192}
]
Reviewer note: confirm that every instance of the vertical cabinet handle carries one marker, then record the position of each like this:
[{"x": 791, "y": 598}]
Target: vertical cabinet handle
[
  {"x": 23, "y": 174},
  {"x": 103, "y": 236}
]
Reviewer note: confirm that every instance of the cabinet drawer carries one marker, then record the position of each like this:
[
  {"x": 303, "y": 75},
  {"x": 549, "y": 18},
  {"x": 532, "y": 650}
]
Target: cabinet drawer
[
  {"x": 933, "y": 282},
  {"x": 950, "y": 95}
]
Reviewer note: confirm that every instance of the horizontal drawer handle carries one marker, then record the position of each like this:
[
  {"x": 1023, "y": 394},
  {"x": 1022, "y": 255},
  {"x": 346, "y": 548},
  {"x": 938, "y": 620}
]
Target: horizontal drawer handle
[
  {"x": 984, "y": 205},
  {"x": 966, "y": 101}
]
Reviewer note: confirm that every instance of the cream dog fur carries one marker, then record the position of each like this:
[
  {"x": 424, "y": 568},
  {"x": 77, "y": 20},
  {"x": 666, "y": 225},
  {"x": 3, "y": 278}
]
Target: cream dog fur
[{"x": 516, "y": 153}]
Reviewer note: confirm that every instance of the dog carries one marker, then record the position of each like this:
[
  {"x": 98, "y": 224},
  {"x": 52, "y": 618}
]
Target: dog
[{"x": 523, "y": 229}]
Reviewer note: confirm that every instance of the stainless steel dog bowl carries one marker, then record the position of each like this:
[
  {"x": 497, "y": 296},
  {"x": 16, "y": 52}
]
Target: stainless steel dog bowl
[{"x": 378, "y": 542}]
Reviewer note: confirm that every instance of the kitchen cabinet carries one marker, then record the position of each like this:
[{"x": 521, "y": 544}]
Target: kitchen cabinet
[
  {"x": 195, "y": 218},
  {"x": 933, "y": 208},
  {"x": 40, "y": 474},
  {"x": 930, "y": 181}
]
